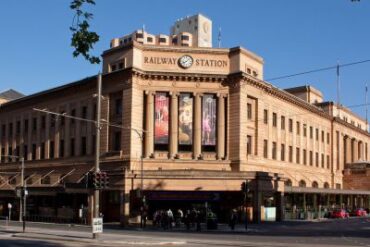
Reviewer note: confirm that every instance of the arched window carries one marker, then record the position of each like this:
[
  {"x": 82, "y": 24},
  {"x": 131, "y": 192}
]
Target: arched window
[
  {"x": 45, "y": 180},
  {"x": 326, "y": 185},
  {"x": 288, "y": 183},
  {"x": 302, "y": 184},
  {"x": 315, "y": 184}
]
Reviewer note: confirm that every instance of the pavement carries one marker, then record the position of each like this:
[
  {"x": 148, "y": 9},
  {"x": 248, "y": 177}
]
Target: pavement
[{"x": 346, "y": 232}]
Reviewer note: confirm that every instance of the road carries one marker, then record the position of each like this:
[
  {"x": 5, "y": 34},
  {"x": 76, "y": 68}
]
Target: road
[{"x": 346, "y": 232}]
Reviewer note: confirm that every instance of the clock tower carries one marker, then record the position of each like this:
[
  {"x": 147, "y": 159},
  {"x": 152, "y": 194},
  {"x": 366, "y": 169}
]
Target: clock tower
[{"x": 199, "y": 26}]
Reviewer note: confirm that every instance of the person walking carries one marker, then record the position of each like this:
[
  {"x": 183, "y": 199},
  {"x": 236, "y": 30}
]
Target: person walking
[{"x": 233, "y": 219}]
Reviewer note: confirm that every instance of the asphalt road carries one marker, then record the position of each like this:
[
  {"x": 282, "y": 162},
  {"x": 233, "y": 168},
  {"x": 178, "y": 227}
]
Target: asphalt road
[{"x": 346, "y": 232}]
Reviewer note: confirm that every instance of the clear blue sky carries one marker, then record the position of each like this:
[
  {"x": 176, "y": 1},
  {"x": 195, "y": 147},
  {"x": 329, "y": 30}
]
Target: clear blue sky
[{"x": 292, "y": 36}]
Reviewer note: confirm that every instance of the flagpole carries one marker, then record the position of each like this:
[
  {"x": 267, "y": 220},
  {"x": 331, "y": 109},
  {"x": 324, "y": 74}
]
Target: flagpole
[{"x": 219, "y": 37}]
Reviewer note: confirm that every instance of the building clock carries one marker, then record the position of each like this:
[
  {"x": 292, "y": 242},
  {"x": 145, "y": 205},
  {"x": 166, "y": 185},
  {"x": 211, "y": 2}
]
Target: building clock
[{"x": 185, "y": 61}]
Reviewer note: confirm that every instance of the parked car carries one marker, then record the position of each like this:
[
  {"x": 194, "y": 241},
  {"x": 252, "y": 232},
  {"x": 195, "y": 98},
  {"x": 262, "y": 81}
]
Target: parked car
[
  {"x": 340, "y": 213},
  {"x": 359, "y": 212}
]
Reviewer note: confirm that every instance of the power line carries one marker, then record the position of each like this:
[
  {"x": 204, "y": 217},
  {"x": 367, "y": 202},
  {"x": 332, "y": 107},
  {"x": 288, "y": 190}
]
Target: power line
[{"x": 318, "y": 70}]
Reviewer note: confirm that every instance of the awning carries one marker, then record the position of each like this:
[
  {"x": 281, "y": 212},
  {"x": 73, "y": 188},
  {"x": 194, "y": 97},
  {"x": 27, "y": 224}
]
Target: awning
[{"x": 292, "y": 189}]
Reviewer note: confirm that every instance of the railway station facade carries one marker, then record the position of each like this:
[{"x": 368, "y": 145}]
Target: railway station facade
[{"x": 184, "y": 124}]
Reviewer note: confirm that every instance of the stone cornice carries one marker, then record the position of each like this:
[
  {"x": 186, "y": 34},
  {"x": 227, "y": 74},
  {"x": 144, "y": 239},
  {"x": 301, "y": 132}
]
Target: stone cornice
[
  {"x": 351, "y": 126},
  {"x": 240, "y": 78},
  {"x": 175, "y": 76}
]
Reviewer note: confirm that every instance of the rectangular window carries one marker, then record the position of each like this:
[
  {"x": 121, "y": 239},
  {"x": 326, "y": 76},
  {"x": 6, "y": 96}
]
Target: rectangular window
[
  {"x": 118, "y": 106},
  {"x": 290, "y": 154},
  {"x": 34, "y": 124},
  {"x": 61, "y": 148},
  {"x": 42, "y": 150},
  {"x": 328, "y": 161},
  {"x": 62, "y": 119},
  {"x": 26, "y": 125},
  {"x": 43, "y": 122},
  {"x": 290, "y": 125},
  {"x": 322, "y": 161},
  {"x": 304, "y": 130},
  {"x": 311, "y": 132},
  {"x": 25, "y": 152},
  {"x": 282, "y": 152},
  {"x": 274, "y": 119},
  {"x": 184, "y": 37},
  {"x": 84, "y": 112},
  {"x": 322, "y": 136},
  {"x": 249, "y": 144},
  {"x": 298, "y": 128},
  {"x": 317, "y": 159},
  {"x": 304, "y": 157},
  {"x": 161, "y": 133},
  {"x": 117, "y": 141},
  {"x": 274, "y": 150},
  {"x": 162, "y": 40},
  {"x": 72, "y": 147},
  {"x": 53, "y": 119},
  {"x": 73, "y": 114},
  {"x": 2, "y": 158},
  {"x": 311, "y": 158},
  {"x": 298, "y": 156},
  {"x": 10, "y": 129},
  {"x": 51, "y": 150},
  {"x": 3, "y": 130},
  {"x": 83, "y": 146},
  {"x": 185, "y": 114},
  {"x": 18, "y": 127},
  {"x": 265, "y": 149},
  {"x": 149, "y": 39},
  {"x": 265, "y": 116},
  {"x": 328, "y": 138},
  {"x": 317, "y": 134},
  {"x": 282, "y": 122},
  {"x": 33, "y": 152},
  {"x": 209, "y": 116},
  {"x": 17, "y": 151},
  {"x": 249, "y": 111}
]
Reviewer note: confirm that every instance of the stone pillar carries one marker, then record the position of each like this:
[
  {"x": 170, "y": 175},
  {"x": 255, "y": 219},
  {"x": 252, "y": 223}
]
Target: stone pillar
[
  {"x": 149, "y": 125},
  {"x": 280, "y": 209},
  {"x": 198, "y": 126},
  {"x": 257, "y": 203},
  {"x": 174, "y": 128},
  {"x": 348, "y": 150},
  {"x": 315, "y": 205},
  {"x": 221, "y": 127},
  {"x": 355, "y": 150},
  {"x": 124, "y": 208},
  {"x": 341, "y": 201}
]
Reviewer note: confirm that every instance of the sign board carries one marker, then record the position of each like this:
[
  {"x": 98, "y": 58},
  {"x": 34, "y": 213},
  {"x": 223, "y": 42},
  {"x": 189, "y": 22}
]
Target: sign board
[{"x": 97, "y": 225}]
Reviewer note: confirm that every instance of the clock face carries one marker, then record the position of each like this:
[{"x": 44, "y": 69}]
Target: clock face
[{"x": 186, "y": 61}]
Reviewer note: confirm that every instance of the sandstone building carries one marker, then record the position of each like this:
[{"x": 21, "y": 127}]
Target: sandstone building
[{"x": 183, "y": 124}]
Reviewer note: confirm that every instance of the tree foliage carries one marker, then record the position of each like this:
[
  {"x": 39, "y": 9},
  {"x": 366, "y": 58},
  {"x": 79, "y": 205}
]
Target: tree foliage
[{"x": 83, "y": 39}]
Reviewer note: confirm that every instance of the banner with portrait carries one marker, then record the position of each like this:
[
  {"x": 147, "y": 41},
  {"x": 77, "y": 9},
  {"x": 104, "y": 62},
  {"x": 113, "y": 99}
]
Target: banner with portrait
[
  {"x": 185, "y": 119},
  {"x": 209, "y": 117},
  {"x": 161, "y": 109}
]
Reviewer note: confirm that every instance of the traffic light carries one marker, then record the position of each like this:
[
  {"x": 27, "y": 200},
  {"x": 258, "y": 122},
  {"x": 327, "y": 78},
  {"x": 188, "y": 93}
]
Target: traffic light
[{"x": 104, "y": 180}]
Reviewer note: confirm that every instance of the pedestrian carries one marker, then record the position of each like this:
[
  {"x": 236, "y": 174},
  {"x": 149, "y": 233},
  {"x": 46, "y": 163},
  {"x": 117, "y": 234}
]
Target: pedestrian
[
  {"x": 187, "y": 219},
  {"x": 233, "y": 219},
  {"x": 170, "y": 218},
  {"x": 198, "y": 221},
  {"x": 179, "y": 217}
]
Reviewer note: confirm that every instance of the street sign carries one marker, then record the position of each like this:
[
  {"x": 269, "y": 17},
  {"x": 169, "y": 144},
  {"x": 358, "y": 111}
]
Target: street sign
[{"x": 97, "y": 226}]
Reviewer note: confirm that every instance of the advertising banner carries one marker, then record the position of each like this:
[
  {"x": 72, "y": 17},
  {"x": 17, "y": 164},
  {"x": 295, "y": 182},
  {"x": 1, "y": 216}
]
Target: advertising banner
[
  {"x": 209, "y": 120},
  {"x": 161, "y": 118},
  {"x": 185, "y": 119}
]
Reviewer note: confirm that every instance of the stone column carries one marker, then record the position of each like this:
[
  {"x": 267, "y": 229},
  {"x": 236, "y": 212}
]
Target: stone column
[
  {"x": 67, "y": 133},
  {"x": 198, "y": 126},
  {"x": 348, "y": 150},
  {"x": 355, "y": 150},
  {"x": 221, "y": 127},
  {"x": 174, "y": 128},
  {"x": 149, "y": 125},
  {"x": 315, "y": 206},
  {"x": 280, "y": 209}
]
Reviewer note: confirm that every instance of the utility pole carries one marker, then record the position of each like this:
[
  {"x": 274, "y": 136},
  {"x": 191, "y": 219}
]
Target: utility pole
[
  {"x": 97, "y": 151},
  {"x": 338, "y": 89},
  {"x": 23, "y": 194}
]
